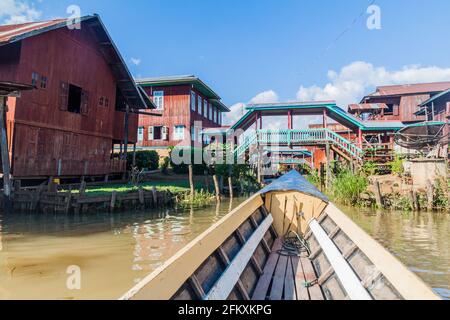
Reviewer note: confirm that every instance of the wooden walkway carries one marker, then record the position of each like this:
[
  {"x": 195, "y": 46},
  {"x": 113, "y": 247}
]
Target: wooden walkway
[{"x": 287, "y": 278}]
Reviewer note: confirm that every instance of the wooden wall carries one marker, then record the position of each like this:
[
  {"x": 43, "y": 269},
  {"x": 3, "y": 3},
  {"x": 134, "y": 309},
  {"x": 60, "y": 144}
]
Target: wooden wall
[
  {"x": 177, "y": 111},
  {"x": 48, "y": 140}
]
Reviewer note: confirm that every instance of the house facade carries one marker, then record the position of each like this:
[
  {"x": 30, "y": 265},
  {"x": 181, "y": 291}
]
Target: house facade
[
  {"x": 68, "y": 125},
  {"x": 182, "y": 102},
  {"x": 398, "y": 102}
]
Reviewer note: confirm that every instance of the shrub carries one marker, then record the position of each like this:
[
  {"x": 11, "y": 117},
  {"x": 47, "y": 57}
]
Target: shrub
[
  {"x": 199, "y": 169},
  {"x": 147, "y": 160},
  {"x": 347, "y": 187},
  {"x": 164, "y": 166},
  {"x": 397, "y": 165}
]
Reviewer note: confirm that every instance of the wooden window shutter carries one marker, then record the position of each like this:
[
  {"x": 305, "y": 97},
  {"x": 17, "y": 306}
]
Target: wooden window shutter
[
  {"x": 165, "y": 133},
  {"x": 63, "y": 96},
  {"x": 396, "y": 110},
  {"x": 150, "y": 133},
  {"x": 84, "y": 102}
]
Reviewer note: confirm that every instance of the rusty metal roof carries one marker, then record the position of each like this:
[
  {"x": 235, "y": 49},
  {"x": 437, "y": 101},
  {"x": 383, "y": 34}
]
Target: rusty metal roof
[
  {"x": 407, "y": 89},
  {"x": 125, "y": 82},
  {"x": 367, "y": 107}
]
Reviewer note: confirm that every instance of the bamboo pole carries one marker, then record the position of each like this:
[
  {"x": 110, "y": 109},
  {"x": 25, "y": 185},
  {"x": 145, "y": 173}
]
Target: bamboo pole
[{"x": 7, "y": 203}]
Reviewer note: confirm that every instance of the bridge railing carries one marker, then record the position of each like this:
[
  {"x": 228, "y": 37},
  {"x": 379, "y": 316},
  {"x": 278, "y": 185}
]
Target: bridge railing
[{"x": 312, "y": 136}]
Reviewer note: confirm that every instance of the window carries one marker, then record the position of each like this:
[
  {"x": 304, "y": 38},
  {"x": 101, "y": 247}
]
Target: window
[
  {"x": 193, "y": 132},
  {"x": 74, "y": 104},
  {"x": 214, "y": 117},
  {"x": 34, "y": 79},
  {"x": 200, "y": 105},
  {"x": 158, "y": 133},
  {"x": 219, "y": 117},
  {"x": 100, "y": 102},
  {"x": 158, "y": 99},
  {"x": 209, "y": 108},
  {"x": 43, "y": 82},
  {"x": 141, "y": 134},
  {"x": 178, "y": 133},
  {"x": 389, "y": 110},
  {"x": 193, "y": 100},
  {"x": 106, "y": 102}
]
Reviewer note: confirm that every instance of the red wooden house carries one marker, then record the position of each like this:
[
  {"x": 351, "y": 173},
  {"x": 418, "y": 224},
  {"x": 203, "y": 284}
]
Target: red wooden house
[
  {"x": 68, "y": 125},
  {"x": 398, "y": 102},
  {"x": 181, "y": 101}
]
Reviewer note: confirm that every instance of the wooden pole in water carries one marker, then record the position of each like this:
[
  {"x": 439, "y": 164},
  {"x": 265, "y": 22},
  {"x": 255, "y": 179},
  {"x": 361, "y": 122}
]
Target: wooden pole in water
[
  {"x": 191, "y": 181},
  {"x": 230, "y": 180},
  {"x": 7, "y": 203},
  {"x": 378, "y": 195},
  {"x": 430, "y": 195},
  {"x": 216, "y": 186}
]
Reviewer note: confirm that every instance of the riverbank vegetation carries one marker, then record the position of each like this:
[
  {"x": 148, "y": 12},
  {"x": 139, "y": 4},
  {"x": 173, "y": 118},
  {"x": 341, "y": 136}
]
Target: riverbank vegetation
[{"x": 358, "y": 188}]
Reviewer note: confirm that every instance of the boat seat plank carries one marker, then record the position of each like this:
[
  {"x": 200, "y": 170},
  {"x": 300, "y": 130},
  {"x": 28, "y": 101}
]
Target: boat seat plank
[
  {"x": 264, "y": 282},
  {"x": 300, "y": 280},
  {"x": 315, "y": 293},
  {"x": 289, "y": 282},
  {"x": 276, "y": 293}
]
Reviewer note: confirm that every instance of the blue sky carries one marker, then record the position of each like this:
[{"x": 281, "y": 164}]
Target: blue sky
[{"x": 273, "y": 47}]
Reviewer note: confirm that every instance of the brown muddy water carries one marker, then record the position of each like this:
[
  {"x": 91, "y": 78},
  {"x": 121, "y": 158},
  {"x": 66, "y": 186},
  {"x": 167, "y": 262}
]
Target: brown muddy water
[{"x": 115, "y": 251}]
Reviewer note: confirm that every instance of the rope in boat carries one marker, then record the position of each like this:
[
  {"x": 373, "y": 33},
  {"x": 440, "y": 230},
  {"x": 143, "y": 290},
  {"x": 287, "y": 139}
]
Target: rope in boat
[{"x": 294, "y": 245}]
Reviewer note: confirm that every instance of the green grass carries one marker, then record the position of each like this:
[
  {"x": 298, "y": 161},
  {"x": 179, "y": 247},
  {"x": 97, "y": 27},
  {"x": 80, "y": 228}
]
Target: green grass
[{"x": 175, "y": 186}]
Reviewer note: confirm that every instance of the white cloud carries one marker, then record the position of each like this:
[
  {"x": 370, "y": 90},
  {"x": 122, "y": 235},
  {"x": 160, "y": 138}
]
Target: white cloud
[
  {"x": 238, "y": 109},
  {"x": 268, "y": 96},
  {"x": 16, "y": 11},
  {"x": 356, "y": 80},
  {"x": 136, "y": 61}
]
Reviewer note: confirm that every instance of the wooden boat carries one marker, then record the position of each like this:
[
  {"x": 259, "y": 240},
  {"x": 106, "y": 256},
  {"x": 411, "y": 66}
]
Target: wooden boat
[{"x": 287, "y": 242}]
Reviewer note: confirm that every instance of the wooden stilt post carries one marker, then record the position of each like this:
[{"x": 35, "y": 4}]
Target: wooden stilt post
[
  {"x": 328, "y": 167},
  {"x": 134, "y": 155},
  {"x": 7, "y": 190}
]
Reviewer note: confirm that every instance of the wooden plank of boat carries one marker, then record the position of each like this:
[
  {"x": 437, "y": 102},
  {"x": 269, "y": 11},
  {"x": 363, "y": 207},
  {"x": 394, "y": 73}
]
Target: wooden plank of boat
[
  {"x": 315, "y": 293},
  {"x": 264, "y": 282},
  {"x": 289, "y": 282},
  {"x": 300, "y": 279},
  {"x": 344, "y": 272},
  {"x": 402, "y": 279},
  {"x": 276, "y": 293},
  {"x": 223, "y": 287},
  {"x": 164, "y": 282}
]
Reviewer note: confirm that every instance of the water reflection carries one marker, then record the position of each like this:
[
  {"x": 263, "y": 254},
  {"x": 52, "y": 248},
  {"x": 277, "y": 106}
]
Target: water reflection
[
  {"x": 420, "y": 240},
  {"x": 114, "y": 251}
]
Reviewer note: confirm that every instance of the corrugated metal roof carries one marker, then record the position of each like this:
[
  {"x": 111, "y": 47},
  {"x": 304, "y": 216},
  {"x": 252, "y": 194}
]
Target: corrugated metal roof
[
  {"x": 130, "y": 91},
  {"x": 330, "y": 106},
  {"x": 198, "y": 84},
  {"x": 367, "y": 106},
  {"x": 418, "y": 88},
  {"x": 440, "y": 95}
]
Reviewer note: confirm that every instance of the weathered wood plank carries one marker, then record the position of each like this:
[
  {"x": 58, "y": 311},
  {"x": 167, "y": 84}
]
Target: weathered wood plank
[
  {"x": 315, "y": 293},
  {"x": 300, "y": 280},
  {"x": 276, "y": 292},
  {"x": 264, "y": 282},
  {"x": 225, "y": 285},
  {"x": 289, "y": 283}
]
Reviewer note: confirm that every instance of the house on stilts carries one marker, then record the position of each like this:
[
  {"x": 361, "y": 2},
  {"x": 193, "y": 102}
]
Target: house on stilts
[{"x": 85, "y": 102}]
